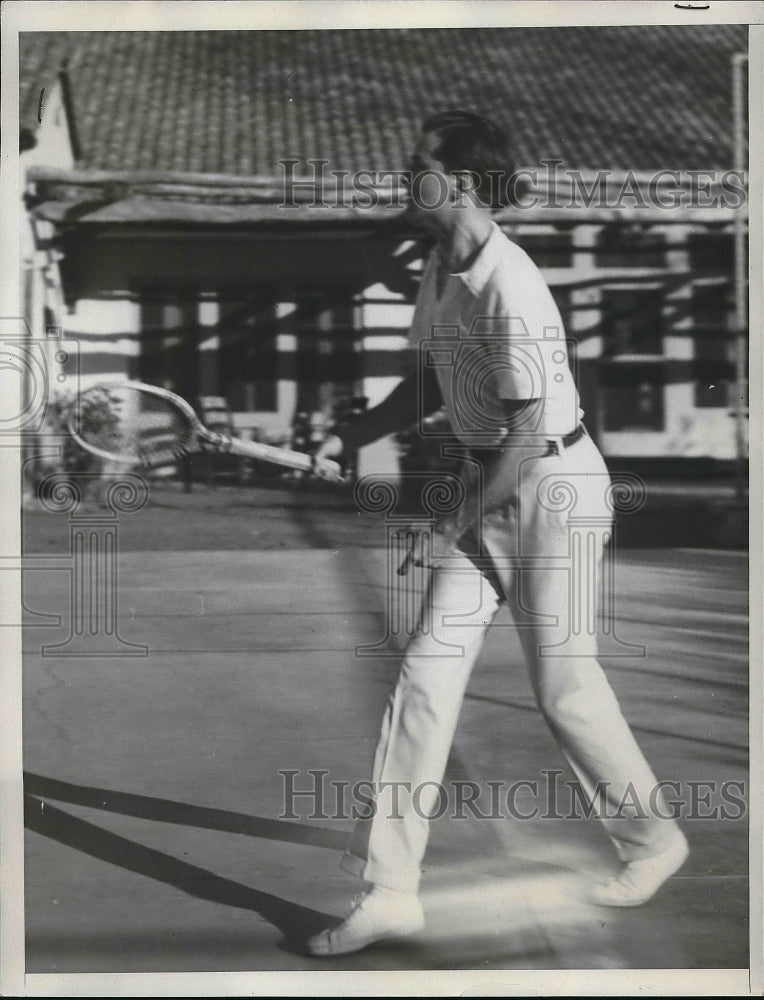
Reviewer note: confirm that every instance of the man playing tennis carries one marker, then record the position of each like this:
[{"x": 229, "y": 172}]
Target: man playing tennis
[{"x": 509, "y": 395}]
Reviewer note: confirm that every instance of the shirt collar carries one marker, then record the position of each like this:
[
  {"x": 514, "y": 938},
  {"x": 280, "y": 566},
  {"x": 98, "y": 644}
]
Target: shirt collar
[{"x": 483, "y": 266}]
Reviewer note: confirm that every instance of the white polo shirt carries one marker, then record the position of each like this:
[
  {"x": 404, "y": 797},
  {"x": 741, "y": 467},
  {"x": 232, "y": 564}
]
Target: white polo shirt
[{"x": 495, "y": 333}]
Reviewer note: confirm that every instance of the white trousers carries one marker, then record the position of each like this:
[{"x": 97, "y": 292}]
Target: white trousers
[{"x": 547, "y": 549}]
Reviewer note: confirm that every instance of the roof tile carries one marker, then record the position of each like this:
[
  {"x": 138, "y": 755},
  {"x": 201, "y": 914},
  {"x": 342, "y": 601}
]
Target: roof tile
[{"x": 236, "y": 102}]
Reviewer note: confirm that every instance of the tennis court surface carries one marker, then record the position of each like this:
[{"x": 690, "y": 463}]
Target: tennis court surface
[{"x": 164, "y": 832}]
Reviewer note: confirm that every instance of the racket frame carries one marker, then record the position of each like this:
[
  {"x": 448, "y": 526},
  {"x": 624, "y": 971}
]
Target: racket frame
[{"x": 220, "y": 443}]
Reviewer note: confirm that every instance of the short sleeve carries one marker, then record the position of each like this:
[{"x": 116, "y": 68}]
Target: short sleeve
[{"x": 513, "y": 360}]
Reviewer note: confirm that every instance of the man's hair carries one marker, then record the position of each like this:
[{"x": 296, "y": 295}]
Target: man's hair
[{"x": 470, "y": 143}]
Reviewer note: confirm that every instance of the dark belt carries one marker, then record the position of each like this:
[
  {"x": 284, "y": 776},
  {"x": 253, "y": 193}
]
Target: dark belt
[
  {"x": 566, "y": 441},
  {"x": 556, "y": 445}
]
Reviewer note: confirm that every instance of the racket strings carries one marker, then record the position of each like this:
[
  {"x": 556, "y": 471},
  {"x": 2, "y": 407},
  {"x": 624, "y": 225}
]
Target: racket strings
[{"x": 131, "y": 424}]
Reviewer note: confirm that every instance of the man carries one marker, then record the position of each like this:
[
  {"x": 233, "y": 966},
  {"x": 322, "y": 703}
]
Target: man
[{"x": 493, "y": 351}]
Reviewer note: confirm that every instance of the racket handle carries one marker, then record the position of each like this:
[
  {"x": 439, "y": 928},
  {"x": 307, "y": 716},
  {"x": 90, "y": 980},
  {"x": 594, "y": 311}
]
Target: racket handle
[
  {"x": 281, "y": 456},
  {"x": 404, "y": 566},
  {"x": 408, "y": 561}
]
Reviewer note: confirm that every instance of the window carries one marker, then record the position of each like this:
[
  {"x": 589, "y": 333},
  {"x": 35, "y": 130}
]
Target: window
[
  {"x": 169, "y": 337},
  {"x": 248, "y": 357},
  {"x": 326, "y": 362},
  {"x": 633, "y": 397},
  {"x": 621, "y": 245},
  {"x": 712, "y": 256},
  {"x": 632, "y": 330},
  {"x": 713, "y": 369},
  {"x": 237, "y": 357},
  {"x": 552, "y": 249},
  {"x": 712, "y": 251},
  {"x": 632, "y": 321}
]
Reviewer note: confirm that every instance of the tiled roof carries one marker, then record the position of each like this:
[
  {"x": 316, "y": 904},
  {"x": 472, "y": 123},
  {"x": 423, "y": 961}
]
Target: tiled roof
[
  {"x": 42, "y": 56},
  {"x": 635, "y": 98}
]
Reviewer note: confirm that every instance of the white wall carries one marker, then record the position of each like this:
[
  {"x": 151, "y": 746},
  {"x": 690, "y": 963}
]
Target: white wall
[{"x": 53, "y": 147}]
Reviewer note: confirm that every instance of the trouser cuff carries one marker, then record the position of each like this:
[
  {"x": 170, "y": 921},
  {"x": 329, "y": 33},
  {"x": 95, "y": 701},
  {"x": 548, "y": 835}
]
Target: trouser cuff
[
  {"x": 639, "y": 852},
  {"x": 369, "y": 872}
]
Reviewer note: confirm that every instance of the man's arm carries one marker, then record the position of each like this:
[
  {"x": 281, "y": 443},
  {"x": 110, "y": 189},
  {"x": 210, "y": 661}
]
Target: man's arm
[
  {"x": 395, "y": 413},
  {"x": 500, "y": 466}
]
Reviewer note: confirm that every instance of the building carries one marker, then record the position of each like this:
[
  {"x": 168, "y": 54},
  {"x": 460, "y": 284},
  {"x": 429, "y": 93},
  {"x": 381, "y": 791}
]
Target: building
[{"x": 218, "y": 234}]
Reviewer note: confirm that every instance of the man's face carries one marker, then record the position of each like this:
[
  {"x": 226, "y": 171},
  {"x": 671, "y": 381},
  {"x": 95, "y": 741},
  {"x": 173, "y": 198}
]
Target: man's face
[{"x": 430, "y": 187}]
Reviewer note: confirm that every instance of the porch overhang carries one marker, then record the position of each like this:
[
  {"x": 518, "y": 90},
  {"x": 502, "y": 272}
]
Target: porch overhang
[{"x": 97, "y": 197}]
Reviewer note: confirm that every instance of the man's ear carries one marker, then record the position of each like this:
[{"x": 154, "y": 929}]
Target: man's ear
[{"x": 465, "y": 187}]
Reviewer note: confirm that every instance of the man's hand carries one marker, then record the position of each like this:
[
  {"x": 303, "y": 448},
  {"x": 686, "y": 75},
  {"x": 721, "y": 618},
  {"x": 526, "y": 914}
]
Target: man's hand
[
  {"x": 327, "y": 461},
  {"x": 331, "y": 447},
  {"x": 446, "y": 534},
  {"x": 432, "y": 546}
]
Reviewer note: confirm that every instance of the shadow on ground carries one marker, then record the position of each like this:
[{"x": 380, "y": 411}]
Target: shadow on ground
[{"x": 295, "y": 922}]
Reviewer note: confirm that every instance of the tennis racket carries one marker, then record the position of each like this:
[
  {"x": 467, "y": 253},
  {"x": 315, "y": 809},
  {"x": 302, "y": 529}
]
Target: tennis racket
[{"x": 145, "y": 425}]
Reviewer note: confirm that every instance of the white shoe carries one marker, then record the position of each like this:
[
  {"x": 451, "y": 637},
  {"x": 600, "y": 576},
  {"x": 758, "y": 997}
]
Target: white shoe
[
  {"x": 382, "y": 915},
  {"x": 638, "y": 881}
]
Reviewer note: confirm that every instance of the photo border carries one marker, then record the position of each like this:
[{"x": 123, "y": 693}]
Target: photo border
[{"x": 202, "y": 15}]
